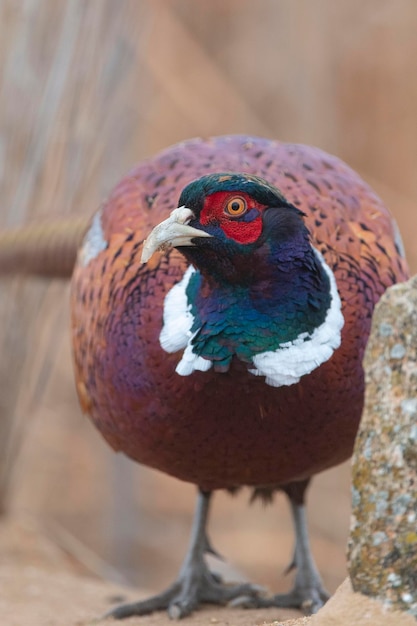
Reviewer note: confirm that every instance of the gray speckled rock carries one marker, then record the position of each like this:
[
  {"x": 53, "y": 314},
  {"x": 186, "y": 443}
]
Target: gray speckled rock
[{"x": 383, "y": 540}]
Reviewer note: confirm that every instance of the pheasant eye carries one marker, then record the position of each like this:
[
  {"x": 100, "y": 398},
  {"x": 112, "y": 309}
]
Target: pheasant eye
[{"x": 235, "y": 207}]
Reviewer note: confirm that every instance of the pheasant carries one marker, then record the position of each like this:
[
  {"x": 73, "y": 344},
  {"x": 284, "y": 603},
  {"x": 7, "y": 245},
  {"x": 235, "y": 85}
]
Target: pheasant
[{"x": 221, "y": 303}]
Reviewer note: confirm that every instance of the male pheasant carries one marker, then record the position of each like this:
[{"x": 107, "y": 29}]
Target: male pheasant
[{"x": 234, "y": 357}]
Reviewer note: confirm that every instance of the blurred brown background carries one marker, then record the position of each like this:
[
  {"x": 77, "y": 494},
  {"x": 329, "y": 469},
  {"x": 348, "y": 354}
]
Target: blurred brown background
[{"x": 88, "y": 89}]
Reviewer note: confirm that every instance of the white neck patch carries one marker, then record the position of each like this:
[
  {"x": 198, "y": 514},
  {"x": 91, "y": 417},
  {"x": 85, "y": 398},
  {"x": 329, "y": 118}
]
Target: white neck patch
[
  {"x": 94, "y": 241},
  {"x": 294, "y": 359},
  {"x": 283, "y": 366},
  {"x": 176, "y": 330}
]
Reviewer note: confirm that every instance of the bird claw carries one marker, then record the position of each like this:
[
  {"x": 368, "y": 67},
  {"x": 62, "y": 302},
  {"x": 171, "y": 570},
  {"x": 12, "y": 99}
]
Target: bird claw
[
  {"x": 312, "y": 604},
  {"x": 307, "y": 600},
  {"x": 248, "y": 601},
  {"x": 290, "y": 568},
  {"x": 185, "y": 596},
  {"x": 144, "y": 607},
  {"x": 177, "y": 610}
]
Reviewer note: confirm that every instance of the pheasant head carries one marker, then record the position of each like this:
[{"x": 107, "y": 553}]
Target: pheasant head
[{"x": 256, "y": 289}]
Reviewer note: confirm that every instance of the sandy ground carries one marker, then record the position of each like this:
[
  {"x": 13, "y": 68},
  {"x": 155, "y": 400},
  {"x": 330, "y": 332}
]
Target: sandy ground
[{"x": 40, "y": 585}]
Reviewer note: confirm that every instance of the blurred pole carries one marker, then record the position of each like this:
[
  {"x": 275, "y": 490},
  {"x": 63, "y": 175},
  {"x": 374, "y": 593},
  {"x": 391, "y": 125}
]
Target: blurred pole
[{"x": 72, "y": 110}]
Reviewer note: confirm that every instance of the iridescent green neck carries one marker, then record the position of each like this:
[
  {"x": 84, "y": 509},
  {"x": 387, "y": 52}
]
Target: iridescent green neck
[{"x": 291, "y": 325}]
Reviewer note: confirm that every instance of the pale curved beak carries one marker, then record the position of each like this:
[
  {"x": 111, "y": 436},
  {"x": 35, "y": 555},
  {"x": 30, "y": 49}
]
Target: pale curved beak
[{"x": 171, "y": 233}]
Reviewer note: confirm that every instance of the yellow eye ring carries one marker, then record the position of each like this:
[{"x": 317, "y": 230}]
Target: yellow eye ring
[{"x": 235, "y": 207}]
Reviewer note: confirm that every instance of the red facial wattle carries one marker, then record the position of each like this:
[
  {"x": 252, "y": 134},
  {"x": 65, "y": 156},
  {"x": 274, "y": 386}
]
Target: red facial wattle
[{"x": 238, "y": 215}]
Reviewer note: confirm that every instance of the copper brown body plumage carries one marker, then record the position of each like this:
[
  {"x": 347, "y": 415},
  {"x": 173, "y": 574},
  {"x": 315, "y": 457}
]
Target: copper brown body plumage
[{"x": 225, "y": 429}]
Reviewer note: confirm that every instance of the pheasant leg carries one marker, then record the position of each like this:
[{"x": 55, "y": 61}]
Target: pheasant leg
[
  {"x": 308, "y": 593},
  {"x": 196, "y": 584}
]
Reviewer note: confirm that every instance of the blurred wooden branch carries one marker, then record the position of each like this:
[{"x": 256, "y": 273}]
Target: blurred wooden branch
[{"x": 42, "y": 248}]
